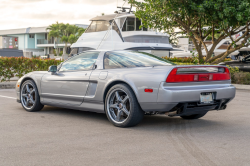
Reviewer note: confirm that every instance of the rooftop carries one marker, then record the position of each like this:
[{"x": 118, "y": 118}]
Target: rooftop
[{"x": 31, "y": 30}]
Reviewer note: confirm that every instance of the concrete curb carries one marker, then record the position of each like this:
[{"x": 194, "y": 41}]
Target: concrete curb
[
  {"x": 8, "y": 85},
  {"x": 242, "y": 87}
]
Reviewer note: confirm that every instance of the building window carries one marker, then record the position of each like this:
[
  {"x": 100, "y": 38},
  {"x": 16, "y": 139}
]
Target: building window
[{"x": 31, "y": 36}]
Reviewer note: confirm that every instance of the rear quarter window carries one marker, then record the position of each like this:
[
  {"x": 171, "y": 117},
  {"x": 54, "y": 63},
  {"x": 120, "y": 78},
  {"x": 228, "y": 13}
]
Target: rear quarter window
[{"x": 131, "y": 59}]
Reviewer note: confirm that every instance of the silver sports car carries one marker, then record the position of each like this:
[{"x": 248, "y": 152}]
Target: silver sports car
[{"x": 126, "y": 85}]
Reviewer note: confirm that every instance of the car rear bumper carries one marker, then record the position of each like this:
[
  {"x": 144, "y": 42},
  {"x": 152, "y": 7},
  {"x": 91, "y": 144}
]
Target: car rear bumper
[{"x": 170, "y": 97}]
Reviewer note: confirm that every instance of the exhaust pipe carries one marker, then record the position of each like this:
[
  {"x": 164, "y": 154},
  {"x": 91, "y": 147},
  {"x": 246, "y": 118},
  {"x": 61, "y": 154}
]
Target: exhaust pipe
[
  {"x": 171, "y": 113},
  {"x": 223, "y": 107}
]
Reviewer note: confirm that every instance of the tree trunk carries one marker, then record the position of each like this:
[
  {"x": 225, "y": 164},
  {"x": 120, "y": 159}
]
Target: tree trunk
[
  {"x": 218, "y": 60},
  {"x": 56, "y": 47},
  {"x": 198, "y": 49},
  {"x": 65, "y": 48},
  {"x": 201, "y": 60}
]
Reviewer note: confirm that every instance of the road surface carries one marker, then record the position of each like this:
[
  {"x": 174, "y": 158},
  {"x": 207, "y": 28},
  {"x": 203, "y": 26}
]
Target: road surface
[{"x": 57, "y": 136}]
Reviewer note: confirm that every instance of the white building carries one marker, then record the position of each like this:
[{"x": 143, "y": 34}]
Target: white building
[{"x": 32, "y": 39}]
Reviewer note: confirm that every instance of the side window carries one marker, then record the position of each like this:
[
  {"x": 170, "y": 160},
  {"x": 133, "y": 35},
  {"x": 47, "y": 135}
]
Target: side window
[
  {"x": 112, "y": 61},
  {"x": 131, "y": 59},
  {"x": 83, "y": 61}
]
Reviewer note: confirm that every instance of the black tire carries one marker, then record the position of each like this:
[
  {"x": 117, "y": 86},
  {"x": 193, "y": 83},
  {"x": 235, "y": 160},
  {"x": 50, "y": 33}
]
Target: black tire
[
  {"x": 37, "y": 106},
  {"x": 195, "y": 116},
  {"x": 135, "y": 112}
]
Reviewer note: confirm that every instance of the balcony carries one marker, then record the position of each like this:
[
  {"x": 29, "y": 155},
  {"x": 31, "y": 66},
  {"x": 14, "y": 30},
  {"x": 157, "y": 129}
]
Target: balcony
[{"x": 44, "y": 41}]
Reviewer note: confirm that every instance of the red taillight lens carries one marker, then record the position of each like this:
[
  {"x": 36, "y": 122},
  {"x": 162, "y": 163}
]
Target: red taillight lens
[{"x": 174, "y": 76}]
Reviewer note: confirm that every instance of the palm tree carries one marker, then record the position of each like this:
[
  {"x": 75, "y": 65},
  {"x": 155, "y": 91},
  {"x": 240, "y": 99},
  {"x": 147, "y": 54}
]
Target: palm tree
[
  {"x": 80, "y": 32},
  {"x": 54, "y": 31},
  {"x": 72, "y": 39},
  {"x": 66, "y": 32},
  {"x": 71, "y": 33}
]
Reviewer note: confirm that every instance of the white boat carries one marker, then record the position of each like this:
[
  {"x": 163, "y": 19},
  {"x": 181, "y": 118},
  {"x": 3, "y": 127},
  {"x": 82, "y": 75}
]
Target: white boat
[
  {"x": 122, "y": 32},
  {"x": 221, "y": 47}
]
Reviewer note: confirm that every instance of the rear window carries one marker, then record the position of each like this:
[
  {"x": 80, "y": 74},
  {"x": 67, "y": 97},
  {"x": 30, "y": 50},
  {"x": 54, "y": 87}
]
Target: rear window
[{"x": 131, "y": 59}]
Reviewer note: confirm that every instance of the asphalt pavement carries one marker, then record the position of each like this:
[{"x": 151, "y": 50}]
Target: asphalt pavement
[{"x": 57, "y": 136}]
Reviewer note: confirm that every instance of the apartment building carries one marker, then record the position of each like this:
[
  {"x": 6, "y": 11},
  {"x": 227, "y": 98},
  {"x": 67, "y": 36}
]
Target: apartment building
[{"x": 18, "y": 42}]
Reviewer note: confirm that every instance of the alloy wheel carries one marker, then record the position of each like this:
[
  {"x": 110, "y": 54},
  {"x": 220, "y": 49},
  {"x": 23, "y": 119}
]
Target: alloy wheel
[
  {"x": 28, "y": 96},
  {"x": 118, "y": 106}
]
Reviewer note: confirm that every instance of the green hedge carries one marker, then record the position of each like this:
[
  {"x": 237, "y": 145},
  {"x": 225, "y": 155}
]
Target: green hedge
[
  {"x": 180, "y": 63},
  {"x": 180, "y": 60},
  {"x": 17, "y": 67},
  {"x": 186, "y": 59},
  {"x": 241, "y": 78},
  {"x": 237, "y": 77}
]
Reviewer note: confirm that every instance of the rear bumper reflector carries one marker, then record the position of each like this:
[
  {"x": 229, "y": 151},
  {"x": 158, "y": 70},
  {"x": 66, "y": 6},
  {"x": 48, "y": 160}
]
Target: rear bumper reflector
[{"x": 149, "y": 90}]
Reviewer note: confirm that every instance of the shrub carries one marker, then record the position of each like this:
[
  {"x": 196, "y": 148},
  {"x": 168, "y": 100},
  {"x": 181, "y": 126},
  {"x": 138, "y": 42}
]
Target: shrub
[
  {"x": 227, "y": 59},
  {"x": 241, "y": 78},
  {"x": 19, "y": 66},
  {"x": 181, "y": 60},
  {"x": 54, "y": 52},
  {"x": 233, "y": 70},
  {"x": 180, "y": 63},
  {"x": 60, "y": 53},
  {"x": 188, "y": 59}
]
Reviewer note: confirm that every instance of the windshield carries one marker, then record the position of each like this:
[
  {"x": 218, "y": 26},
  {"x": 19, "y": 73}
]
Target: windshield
[{"x": 129, "y": 59}]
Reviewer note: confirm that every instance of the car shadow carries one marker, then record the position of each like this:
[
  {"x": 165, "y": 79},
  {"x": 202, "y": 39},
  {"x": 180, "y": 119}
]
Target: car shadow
[
  {"x": 163, "y": 122},
  {"x": 150, "y": 122},
  {"x": 73, "y": 113}
]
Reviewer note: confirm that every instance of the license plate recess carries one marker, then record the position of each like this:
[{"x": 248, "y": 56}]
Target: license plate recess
[{"x": 207, "y": 97}]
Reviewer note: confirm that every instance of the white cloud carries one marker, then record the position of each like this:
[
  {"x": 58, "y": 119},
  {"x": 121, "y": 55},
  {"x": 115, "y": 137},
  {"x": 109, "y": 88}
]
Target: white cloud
[{"x": 34, "y": 13}]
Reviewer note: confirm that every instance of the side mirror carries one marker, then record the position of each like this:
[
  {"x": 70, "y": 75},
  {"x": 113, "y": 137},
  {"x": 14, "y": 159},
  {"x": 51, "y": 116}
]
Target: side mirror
[{"x": 53, "y": 69}]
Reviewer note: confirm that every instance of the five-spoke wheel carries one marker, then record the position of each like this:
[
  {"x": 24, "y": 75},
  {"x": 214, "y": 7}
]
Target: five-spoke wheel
[
  {"x": 29, "y": 96},
  {"x": 121, "y": 106},
  {"x": 118, "y": 106}
]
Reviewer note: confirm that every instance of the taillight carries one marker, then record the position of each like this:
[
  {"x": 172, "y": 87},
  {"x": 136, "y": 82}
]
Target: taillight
[{"x": 197, "y": 74}]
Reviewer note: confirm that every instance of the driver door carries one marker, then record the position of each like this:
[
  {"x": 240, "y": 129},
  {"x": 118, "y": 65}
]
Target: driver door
[{"x": 69, "y": 85}]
